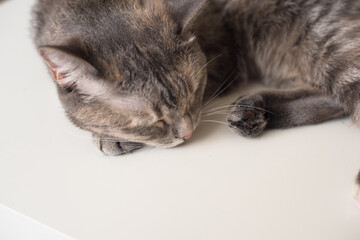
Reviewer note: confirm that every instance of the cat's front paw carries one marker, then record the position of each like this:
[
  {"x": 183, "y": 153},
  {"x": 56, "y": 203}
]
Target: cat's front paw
[
  {"x": 114, "y": 148},
  {"x": 248, "y": 117}
]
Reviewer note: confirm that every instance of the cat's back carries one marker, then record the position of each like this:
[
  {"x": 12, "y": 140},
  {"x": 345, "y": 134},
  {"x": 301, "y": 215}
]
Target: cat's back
[{"x": 281, "y": 35}]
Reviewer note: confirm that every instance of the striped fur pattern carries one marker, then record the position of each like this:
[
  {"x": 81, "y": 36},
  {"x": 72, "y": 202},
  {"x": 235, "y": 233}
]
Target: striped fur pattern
[{"x": 312, "y": 42}]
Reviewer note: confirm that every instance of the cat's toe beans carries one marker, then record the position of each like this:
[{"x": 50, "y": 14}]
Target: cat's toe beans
[
  {"x": 248, "y": 118},
  {"x": 249, "y": 115},
  {"x": 247, "y": 128}
]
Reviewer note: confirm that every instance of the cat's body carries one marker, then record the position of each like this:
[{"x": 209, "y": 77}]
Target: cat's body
[
  {"x": 136, "y": 72},
  {"x": 310, "y": 46}
]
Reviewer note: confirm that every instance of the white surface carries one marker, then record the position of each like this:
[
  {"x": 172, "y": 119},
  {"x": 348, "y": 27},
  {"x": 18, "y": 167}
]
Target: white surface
[
  {"x": 293, "y": 184},
  {"x": 15, "y": 226}
]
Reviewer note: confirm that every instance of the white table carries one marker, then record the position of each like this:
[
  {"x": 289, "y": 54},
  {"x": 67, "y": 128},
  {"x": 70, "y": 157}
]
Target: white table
[{"x": 290, "y": 184}]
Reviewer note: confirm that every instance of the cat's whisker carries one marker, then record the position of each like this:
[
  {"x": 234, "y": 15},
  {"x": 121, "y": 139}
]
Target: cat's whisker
[
  {"x": 222, "y": 111},
  {"x": 225, "y": 115},
  {"x": 212, "y": 97},
  {"x": 207, "y": 64},
  {"x": 244, "y": 124},
  {"x": 219, "y": 108},
  {"x": 113, "y": 140},
  {"x": 239, "y": 105},
  {"x": 223, "y": 123},
  {"x": 213, "y": 114},
  {"x": 214, "y": 121},
  {"x": 218, "y": 92}
]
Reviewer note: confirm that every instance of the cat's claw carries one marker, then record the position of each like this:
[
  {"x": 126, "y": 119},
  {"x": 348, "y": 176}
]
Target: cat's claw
[
  {"x": 248, "y": 117},
  {"x": 112, "y": 148}
]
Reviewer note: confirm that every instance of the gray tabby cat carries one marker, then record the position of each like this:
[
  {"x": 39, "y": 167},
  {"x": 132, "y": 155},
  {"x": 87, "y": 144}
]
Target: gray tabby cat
[{"x": 135, "y": 72}]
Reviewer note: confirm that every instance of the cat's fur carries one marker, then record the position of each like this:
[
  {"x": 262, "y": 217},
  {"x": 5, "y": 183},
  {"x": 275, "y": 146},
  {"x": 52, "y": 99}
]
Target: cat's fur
[{"x": 132, "y": 71}]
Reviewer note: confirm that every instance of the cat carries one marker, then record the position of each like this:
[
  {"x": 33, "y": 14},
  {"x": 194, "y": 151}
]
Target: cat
[{"x": 138, "y": 72}]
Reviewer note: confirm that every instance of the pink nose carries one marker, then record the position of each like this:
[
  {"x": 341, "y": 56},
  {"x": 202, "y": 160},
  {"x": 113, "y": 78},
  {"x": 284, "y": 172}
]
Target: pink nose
[{"x": 188, "y": 136}]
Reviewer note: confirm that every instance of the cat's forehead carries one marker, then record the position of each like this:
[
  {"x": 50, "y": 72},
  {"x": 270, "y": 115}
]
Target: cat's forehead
[{"x": 168, "y": 84}]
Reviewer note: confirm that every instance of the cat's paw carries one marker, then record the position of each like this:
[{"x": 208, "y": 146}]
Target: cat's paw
[
  {"x": 248, "y": 117},
  {"x": 113, "y": 148}
]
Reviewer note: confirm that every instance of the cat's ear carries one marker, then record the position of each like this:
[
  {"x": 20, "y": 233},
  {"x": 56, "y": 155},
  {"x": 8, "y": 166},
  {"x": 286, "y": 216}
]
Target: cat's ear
[
  {"x": 70, "y": 71},
  {"x": 185, "y": 12}
]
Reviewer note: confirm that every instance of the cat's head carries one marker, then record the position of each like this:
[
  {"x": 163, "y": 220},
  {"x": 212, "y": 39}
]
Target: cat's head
[{"x": 136, "y": 75}]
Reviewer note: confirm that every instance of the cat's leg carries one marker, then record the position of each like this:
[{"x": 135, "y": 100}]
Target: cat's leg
[
  {"x": 114, "y": 148},
  {"x": 250, "y": 115}
]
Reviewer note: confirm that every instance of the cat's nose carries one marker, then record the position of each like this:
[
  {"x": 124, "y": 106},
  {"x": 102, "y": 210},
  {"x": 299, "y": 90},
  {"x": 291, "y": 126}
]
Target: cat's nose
[
  {"x": 185, "y": 128},
  {"x": 187, "y": 136}
]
